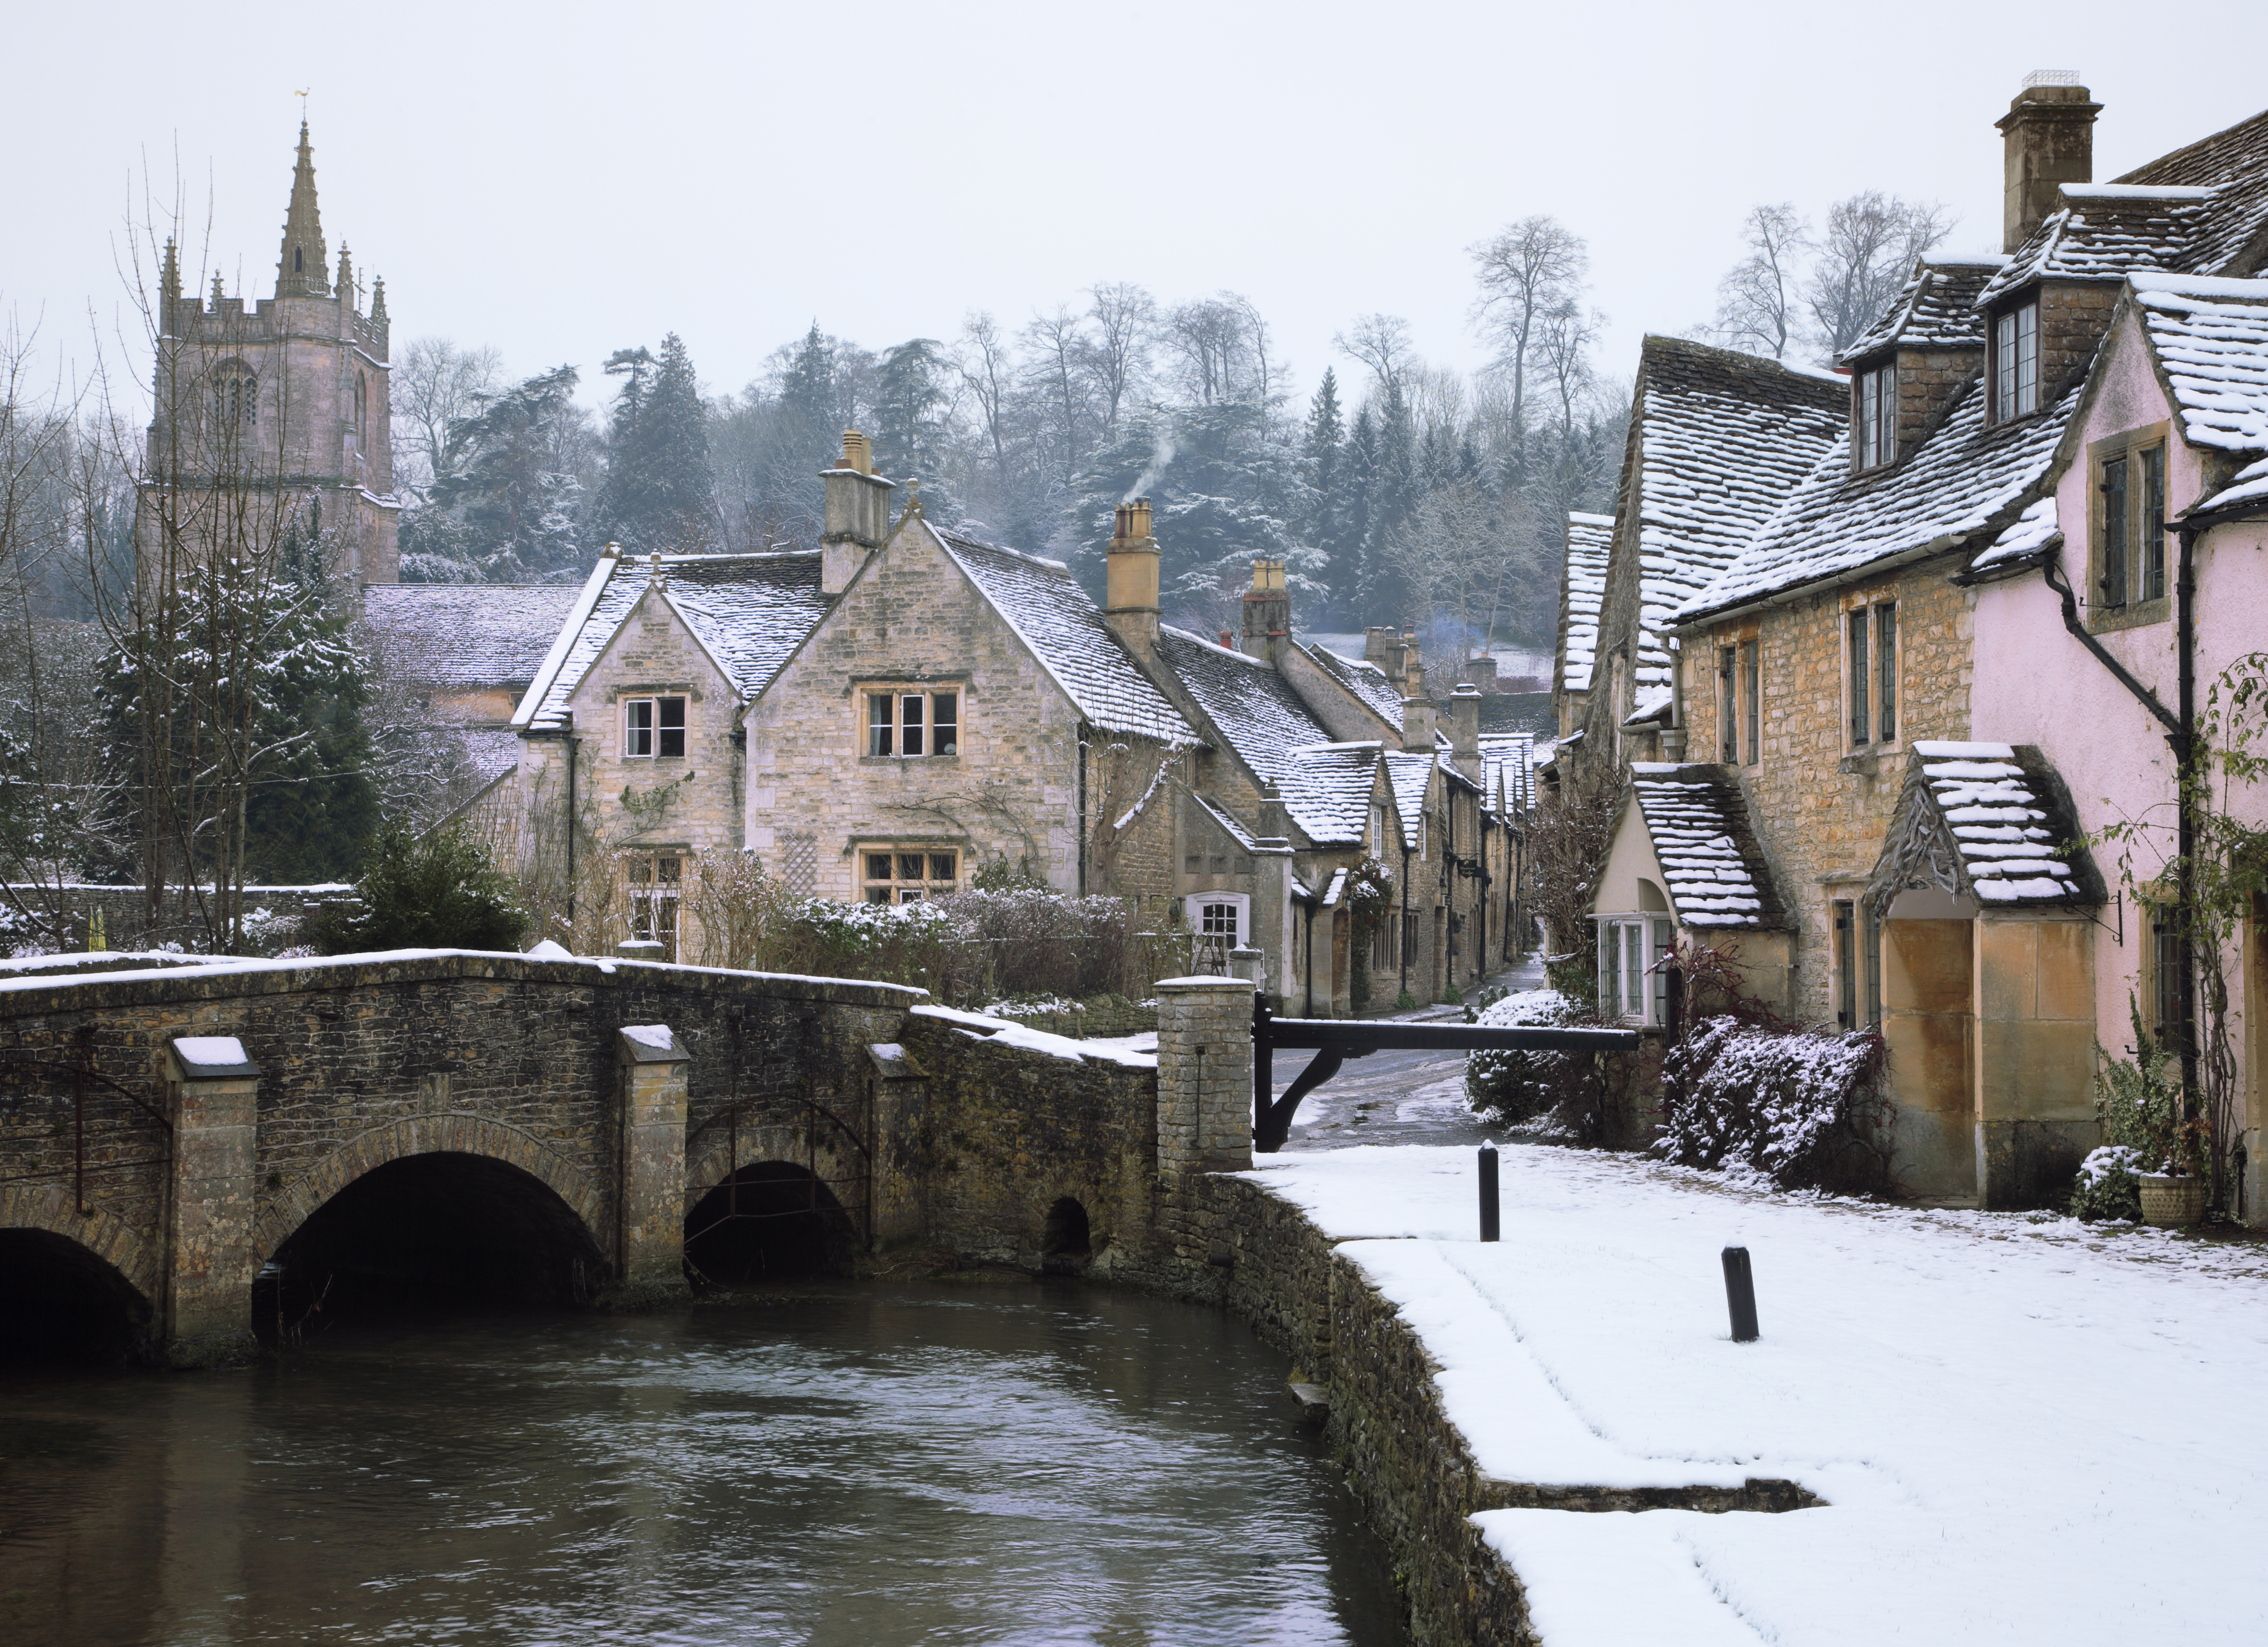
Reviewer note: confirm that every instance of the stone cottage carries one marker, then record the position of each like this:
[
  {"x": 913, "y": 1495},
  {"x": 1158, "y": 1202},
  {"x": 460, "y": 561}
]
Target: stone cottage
[
  {"x": 881, "y": 720},
  {"x": 1951, "y": 651}
]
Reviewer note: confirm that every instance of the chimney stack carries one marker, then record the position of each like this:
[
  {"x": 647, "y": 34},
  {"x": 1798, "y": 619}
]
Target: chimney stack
[
  {"x": 858, "y": 516},
  {"x": 1130, "y": 579},
  {"x": 1465, "y": 727},
  {"x": 1419, "y": 716},
  {"x": 2047, "y": 137},
  {"x": 1267, "y": 611}
]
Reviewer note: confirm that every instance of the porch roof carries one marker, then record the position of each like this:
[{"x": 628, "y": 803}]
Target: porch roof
[
  {"x": 1988, "y": 821},
  {"x": 1698, "y": 821}
]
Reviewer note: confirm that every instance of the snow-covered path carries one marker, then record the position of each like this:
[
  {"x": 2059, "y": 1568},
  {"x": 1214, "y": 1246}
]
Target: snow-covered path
[{"x": 2025, "y": 1431}]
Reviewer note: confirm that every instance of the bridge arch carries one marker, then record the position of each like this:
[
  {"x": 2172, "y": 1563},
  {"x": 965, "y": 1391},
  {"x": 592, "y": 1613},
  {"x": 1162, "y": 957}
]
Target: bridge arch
[
  {"x": 301, "y": 1198},
  {"x": 768, "y": 1221},
  {"x": 72, "y": 1284}
]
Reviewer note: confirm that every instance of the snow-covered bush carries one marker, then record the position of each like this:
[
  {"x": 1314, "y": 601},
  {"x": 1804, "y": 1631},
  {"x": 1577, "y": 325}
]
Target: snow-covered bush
[
  {"x": 1512, "y": 1087},
  {"x": 2138, "y": 1102},
  {"x": 2107, "y": 1186},
  {"x": 1805, "y": 1108}
]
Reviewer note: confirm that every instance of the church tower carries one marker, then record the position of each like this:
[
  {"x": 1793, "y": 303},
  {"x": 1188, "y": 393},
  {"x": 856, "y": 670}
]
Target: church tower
[{"x": 278, "y": 417}]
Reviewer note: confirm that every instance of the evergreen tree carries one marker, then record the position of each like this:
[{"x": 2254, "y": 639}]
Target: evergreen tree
[
  {"x": 1320, "y": 453},
  {"x": 911, "y": 400},
  {"x": 507, "y": 501},
  {"x": 657, "y": 493},
  {"x": 1358, "y": 465},
  {"x": 1386, "y": 597}
]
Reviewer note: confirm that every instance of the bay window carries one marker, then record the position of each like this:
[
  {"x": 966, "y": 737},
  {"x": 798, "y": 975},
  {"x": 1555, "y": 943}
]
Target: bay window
[{"x": 1633, "y": 983}]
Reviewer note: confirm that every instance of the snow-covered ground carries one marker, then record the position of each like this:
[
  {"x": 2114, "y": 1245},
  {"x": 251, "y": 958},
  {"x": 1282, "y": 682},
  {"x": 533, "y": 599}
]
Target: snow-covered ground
[{"x": 2025, "y": 1429}]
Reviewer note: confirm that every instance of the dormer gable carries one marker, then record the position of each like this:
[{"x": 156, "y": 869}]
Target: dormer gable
[{"x": 1909, "y": 368}]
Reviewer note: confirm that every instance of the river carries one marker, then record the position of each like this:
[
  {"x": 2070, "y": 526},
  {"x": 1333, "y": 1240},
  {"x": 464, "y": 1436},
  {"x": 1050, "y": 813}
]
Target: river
[{"x": 854, "y": 1463}]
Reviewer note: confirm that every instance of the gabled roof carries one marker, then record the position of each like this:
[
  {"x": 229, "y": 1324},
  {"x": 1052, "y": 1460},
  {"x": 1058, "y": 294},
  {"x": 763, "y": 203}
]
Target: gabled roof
[
  {"x": 2234, "y": 164},
  {"x": 1988, "y": 821},
  {"x": 1582, "y": 589},
  {"x": 1698, "y": 822},
  {"x": 1327, "y": 789},
  {"x": 466, "y": 634},
  {"x": 1409, "y": 774},
  {"x": 1251, "y": 707},
  {"x": 748, "y": 612},
  {"x": 1936, "y": 308},
  {"x": 1723, "y": 437},
  {"x": 1510, "y": 770},
  {"x": 1043, "y": 604},
  {"x": 1366, "y": 681},
  {"x": 1965, "y": 479},
  {"x": 2105, "y": 230},
  {"x": 2211, "y": 339}
]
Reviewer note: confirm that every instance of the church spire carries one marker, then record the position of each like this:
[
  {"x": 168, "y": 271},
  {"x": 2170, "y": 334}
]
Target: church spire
[
  {"x": 302, "y": 270},
  {"x": 169, "y": 289}
]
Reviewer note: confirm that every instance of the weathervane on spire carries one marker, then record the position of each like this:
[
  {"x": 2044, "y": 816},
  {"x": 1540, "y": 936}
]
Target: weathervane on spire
[{"x": 302, "y": 96}]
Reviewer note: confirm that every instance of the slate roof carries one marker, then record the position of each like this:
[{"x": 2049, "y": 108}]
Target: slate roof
[
  {"x": 2211, "y": 338},
  {"x": 2015, "y": 837},
  {"x": 750, "y": 612},
  {"x": 1582, "y": 589},
  {"x": 1041, "y": 600},
  {"x": 1965, "y": 479},
  {"x": 1327, "y": 789},
  {"x": 491, "y": 751},
  {"x": 1505, "y": 712},
  {"x": 2030, "y": 536},
  {"x": 1698, "y": 822},
  {"x": 1252, "y": 707},
  {"x": 1409, "y": 774},
  {"x": 1936, "y": 309},
  {"x": 1366, "y": 681},
  {"x": 2104, "y": 229},
  {"x": 2235, "y": 163},
  {"x": 1723, "y": 439},
  {"x": 466, "y": 634},
  {"x": 1511, "y": 770}
]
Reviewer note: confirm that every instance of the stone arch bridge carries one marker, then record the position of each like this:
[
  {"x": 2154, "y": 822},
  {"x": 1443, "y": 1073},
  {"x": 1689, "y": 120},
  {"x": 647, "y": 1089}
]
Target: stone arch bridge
[{"x": 165, "y": 1132}]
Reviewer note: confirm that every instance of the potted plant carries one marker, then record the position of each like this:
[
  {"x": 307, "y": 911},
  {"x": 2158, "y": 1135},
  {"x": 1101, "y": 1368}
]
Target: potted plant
[{"x": 2146, "y": 1140}]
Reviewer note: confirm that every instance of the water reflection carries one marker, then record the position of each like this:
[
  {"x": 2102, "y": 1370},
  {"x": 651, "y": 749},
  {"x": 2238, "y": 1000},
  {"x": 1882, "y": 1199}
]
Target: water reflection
[{"x": 860, "y": 1466}]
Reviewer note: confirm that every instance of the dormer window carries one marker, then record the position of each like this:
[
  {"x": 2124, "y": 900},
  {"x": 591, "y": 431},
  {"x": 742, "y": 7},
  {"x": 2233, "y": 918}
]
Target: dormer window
[
  {"x": 2016, "y": 362},
  {"x": 1875, "y": 413}
]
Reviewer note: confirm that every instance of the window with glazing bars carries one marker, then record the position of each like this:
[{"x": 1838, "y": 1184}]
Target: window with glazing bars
[
  {"x": 1877, "y": 394},
  {"x": 653, "y": 726},
  {"x": 1885, "y": 672},
  {"x": 1862, "y": 725},
  {"x": 2016, "y": 362},
  {"x": 907, "y": 874},
  {"x": 1846, "y": 966},
  {"x": 911, "y": 724},
  {"x": 1728, "y": 745}
]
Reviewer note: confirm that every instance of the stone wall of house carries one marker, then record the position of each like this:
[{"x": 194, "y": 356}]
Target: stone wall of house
[
  {"x": 912, "y": 620},
  {"x": 651, "y": 802},
  {"x": 1820, "y": 808},
  {"x": 1929, "y": 380}
]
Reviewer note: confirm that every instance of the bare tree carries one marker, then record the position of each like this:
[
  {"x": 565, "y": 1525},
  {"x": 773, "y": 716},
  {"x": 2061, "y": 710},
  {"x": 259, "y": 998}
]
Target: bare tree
[
  {"x": 1865, "y": 255},
  {"x": 989, "y": 369},
  {"x": 1381, "y": 342},
  {"x": 1565, "y": 335},
  {"x": 1056, "y": 373},
  {"x": 1524, "y": 271},
  {"x": 438, "y": 386},
  {"x": 1756, "y": 300},
  {"x": 1118, "y": 351}
]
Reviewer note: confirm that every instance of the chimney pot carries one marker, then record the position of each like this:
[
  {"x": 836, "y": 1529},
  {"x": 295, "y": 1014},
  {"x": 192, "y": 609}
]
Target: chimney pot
[{"x": 1130, "y": 578}]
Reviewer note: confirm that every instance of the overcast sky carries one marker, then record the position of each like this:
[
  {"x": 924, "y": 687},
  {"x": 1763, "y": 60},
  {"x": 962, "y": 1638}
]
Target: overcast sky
[{"x": 562, "y": 181}]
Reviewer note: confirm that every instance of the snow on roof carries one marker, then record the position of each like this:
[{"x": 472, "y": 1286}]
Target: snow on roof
[
  {"x": 1723, "y": 439},
  {"x": 1226, "y": 819},
  {"x": 1041, "y": 601},
  {"x": 1409, "y": 775},
  {"x": 1964, "y": 479},
  {"x": 465, "y": 634},
  {"x": 2197, "y": 210},
  {"x": 1582, "y": 589},
  {"x": 1327, "y": 789},
  {"x": 2233, "y": 164},
  {"x": 1252, "y": 708},
  {"x": 749, "y": 611},
  {"x": 2211, "y": 339},
  {"x": 2251, "y": 487},
  {"x": 1936, "y": 309},
  {"x": 1511, "y": 769},
  {"x": 1698, "y": 822},
  {"x": 2032, "y": 533},
  {"x": 1989, "y": 820},
  {"x": 2101, "y": 237},
  {"x": 1366, "y": 681}
]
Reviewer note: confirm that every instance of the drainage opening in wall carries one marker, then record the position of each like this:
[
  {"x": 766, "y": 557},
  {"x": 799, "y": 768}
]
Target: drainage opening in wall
[
  {"x": 427, "y": 1232},
  {"x": 63, "y": 1304},
  {"x": 1065, "y": 1244},
  {"x": 771, "y": 1222}
]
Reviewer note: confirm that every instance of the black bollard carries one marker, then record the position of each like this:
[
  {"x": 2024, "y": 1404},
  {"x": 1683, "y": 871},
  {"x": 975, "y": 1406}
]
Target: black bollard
[
  {"x": 1488, "y": 1192},
  {"x": 1741, "y": 1295}
]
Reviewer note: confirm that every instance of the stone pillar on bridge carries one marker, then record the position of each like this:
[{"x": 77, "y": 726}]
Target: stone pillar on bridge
[
  {"x": 212, "y": 1092},
  {"x": 1205, "y": 1075},
  {"x": 650, "y": 1255}
]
